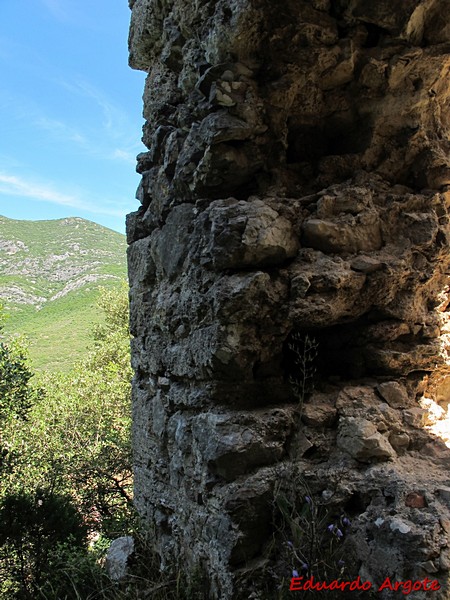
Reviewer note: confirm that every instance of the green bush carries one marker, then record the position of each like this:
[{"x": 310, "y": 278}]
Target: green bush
[
  {"x": 66, "y": 448},
  {"x": 31, "y": 527},
  {"x": 16, "y": 394}
]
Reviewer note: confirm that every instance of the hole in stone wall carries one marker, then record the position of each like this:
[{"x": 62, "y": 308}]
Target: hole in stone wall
[
  {"x": 227, "y": 14},
  {"x": 348, "y": 135},
  {"x": 441, "y": 239},
  {"x": 245, "y": 191},
  {"x": 337, "y": 354},
  {"x": 342, "y": 31},
  {"x": 338, "y": 8},
  {"x": 267, "y": 369},
  {"x": 342, "y": 134},
  {"x": 203, "y": 67},
  {"x": 236, "y": 143},
  {"x": 311, "y": 453},
  {"x": 356, "y": 504},
  {"x": 366, "y": 348},
  {"x": 389, "y": 499},
  {"x": 305, "y": 143},
  {"x": 417, "y": 84},
  {"x": 374, "y": 35},
  {"x": 340, "y": 354},
  {"x": 299, "y": 363}
]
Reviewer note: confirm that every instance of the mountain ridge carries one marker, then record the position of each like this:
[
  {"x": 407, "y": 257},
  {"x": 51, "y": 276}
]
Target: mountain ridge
[{"x": 51, "y": 272}]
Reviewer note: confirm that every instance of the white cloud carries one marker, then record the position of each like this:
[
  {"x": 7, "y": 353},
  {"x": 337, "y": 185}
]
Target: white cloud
[
  {"x": 115, "y": 120},
  {"x": 116, "y": 130},
  {"x": 11, "y": 185},
  {"x": 14, "y": 186},
  {"x": 124, "y": 155},
  {"x": 60, "y": 129},
  {"x": 95, "y": 148}
]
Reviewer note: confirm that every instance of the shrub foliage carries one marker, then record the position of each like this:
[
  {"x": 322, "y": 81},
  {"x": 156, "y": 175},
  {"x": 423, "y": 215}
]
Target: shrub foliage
[{"x": 65, "y": 486}]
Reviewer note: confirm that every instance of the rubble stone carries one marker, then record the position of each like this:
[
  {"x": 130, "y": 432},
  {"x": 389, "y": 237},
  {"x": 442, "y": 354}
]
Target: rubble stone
[
  {"x": 361, "y": 440},
  {"x": 117, "y": 557}
]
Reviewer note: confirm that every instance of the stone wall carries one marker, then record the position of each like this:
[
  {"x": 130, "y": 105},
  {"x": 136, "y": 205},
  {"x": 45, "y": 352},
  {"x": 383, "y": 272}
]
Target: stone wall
[{"x": 293, "y": 224}]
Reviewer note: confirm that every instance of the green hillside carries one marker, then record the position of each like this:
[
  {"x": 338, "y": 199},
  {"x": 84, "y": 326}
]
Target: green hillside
[{"x": 50, "y": 276}]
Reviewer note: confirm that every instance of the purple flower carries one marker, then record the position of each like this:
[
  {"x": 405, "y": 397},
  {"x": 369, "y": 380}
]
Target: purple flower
[
  {"x": 295, "y": 573},
  {"x": 305, "y": 566},
  {"x": 339, "y": 533},
  {"x": 308, "y": 499},
  {"x": 341, "y": 563},
  {"x": 331, "y": 528},
  {"x": 290, "y": 544},
  {"x": 346, "y": 522}
]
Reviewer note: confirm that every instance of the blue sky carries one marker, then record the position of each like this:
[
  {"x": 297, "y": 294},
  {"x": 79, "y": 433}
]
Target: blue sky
[{"x": 70, "y": 111}]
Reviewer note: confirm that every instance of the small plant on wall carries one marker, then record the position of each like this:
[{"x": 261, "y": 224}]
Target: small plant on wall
[
  {"x": 303, "y": 352},
  {"x": 310, "y": 542},
  {"x": 313, "y": 537}
]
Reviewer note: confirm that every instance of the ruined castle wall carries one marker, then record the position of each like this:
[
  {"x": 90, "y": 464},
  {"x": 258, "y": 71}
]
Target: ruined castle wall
[{"x": 293, "y": 206}]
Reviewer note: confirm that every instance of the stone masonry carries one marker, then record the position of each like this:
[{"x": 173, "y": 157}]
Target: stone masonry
[{"x": 293, "y": 226}]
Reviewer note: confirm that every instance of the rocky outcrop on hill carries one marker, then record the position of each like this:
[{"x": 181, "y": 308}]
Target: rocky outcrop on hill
[
  {"x": 289, "y": 285},
  {"x": 54, "y": 258}
]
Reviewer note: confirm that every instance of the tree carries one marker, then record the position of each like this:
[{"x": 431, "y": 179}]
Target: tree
[
  {"x": 31, "y": 528},
  {"x": 16, "y": 392},
  {"x": 73, "y": 440}
]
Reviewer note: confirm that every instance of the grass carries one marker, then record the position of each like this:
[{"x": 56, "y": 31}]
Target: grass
[{"x": 59, "y": 334}]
